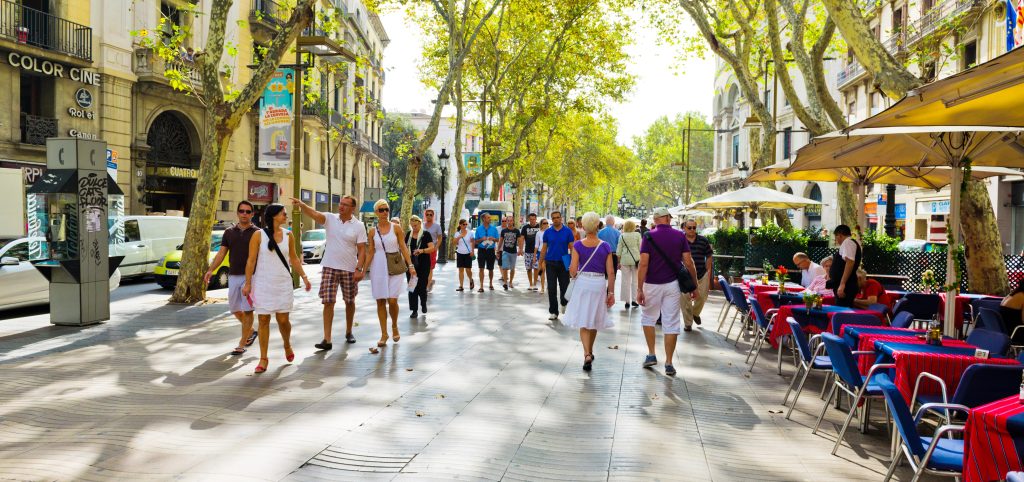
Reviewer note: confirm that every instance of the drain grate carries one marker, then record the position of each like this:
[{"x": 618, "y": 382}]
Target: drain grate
[{"x": 338, "y": 459}]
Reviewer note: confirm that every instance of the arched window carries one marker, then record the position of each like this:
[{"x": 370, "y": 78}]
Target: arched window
[
  {"x": 169, "y": 142},
  {"x": 813, "y": 212}
]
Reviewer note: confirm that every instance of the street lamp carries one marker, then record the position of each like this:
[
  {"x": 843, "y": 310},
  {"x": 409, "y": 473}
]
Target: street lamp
[{"x": 443, "y": 157}]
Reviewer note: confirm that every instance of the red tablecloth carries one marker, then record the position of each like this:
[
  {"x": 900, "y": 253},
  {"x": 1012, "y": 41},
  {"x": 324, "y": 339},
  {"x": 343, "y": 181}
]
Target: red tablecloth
[
  {"x": 781, "y": 328},
  {"x": 866, "y": 342},
  {"x": 958, "y": 308},
  {"x": 757, "y": 287},
  {"x": 947, "y": 367},
  {"x": 989, "y": 448},
  {"x": 764, "y": 298}
]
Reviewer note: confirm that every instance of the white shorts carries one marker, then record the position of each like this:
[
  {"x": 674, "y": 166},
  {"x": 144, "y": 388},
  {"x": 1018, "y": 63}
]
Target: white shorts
[{"x": 661, "y": 300}]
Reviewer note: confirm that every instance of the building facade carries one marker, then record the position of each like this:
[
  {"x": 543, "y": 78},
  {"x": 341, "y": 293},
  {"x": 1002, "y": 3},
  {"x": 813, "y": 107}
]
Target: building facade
[
  {"x": 472, "y": 145},
  {"x": 76, "y": 70}
]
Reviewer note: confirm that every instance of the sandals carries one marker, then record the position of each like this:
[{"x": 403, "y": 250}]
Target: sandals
[
  {"x": 238, "y": 350},
  {"x": 382, "y": 344},
  {"x": 459, "y": 289},
  {"x": 588, "y": 361},
  {"x": 481, "y": 290},
  {"x": 260, "y": 368}
]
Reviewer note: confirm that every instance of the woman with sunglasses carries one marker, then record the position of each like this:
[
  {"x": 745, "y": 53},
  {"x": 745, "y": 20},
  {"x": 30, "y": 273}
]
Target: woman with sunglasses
[
  {"x": 268, "y": 279},
  {"x": 540, "y": 242},
  {"x": 571, "y": 223},
  {"x": 384, "y": 240},
  {"x": 464, "y": 253},
  {"x": 421, "y": 244}
]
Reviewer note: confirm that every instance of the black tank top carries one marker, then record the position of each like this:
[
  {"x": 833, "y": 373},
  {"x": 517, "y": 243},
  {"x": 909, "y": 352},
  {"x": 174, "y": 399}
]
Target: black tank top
[{"x": 835, "y": 273}]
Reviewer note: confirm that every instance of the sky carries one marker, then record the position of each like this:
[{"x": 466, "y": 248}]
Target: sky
[{"x": 660, "y": 89}]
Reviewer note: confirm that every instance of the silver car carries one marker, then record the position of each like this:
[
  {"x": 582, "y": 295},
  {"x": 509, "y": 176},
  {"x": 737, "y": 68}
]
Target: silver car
[
  {"x": 20, "y": 282},
  {"x": 313, "y": 243}
]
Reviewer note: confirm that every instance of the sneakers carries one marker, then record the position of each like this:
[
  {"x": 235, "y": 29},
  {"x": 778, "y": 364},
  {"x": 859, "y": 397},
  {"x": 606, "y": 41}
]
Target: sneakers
[
  {"x": 650, "y": 361},
  {"x": 349, "y": 338},
  {"x": 696, "y": 319},
  {"x": 563, "y": 309},
  {"x": 627, "y": 306},
  {"x": 670, "y": 370},
  {"x": 553, "y": 317},
  {"x": 635, "y": 304}
]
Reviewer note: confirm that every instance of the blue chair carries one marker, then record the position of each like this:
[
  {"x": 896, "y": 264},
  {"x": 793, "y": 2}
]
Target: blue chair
[
  {"x": 880, "y": 307},
  {"x": 840, "y": 319},
  {"x": 924, "y": 306},
  {"x": 739, "y": 300},
  {"x": 763, "y": 326},
  {"x": 848, "y": 379},
  {"x": 809, "y": 361},
  {"x": 722, "y": 283},
  {"x": 995, "y": 342},
  {"x": 978, "y": 304},
  {"x": 988, "y": 319},
  {"x": 902, "y": 319},
  {"x": 931, "y": 455},
  {"x": 980, "y": 384}
]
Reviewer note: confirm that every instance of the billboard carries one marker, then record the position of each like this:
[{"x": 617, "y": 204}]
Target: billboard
[
  {"x": 1014, "y": 24},
  {"x": 474, "y": 165},
  {"x": 276, "y": 120}
]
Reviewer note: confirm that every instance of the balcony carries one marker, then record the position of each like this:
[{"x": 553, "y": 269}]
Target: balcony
[
  {"x": 267, "y": 14},
  {"x": 29, "y": 26},
  {"x": 934, "y": 19},
  {"x": 849, "y": 73},
  {"x": 318, "y": 110},
  {"x": 150, "y": 67},
  {"x": 379, "y": 151},
  {"x": 36, "y": 129}
]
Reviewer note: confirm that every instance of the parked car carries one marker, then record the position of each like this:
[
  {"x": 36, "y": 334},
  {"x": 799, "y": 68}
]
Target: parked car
[
  {"x": 313, "y": 243},
  {"x": 921, "y": 246},
  {"x": 143, "y": 240},
  {"x": 20, "y": 282},
  {"x": 708, "y": 231},
  {"x": 166, "y": 271}
]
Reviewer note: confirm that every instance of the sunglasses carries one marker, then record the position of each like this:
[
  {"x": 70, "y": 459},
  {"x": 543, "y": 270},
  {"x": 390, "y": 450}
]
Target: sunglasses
[
  {"x": 245, "y": 211},
  {"x": 383, "y": 210},
  {"x": 691, "y": 228}
]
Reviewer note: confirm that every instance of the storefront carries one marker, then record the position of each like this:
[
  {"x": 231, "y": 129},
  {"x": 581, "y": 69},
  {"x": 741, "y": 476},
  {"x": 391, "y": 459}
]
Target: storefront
[
  {"x": 170, "y": 190},
  {"x": 260, "y": 194},
  {"x": 322, "y": 205}
]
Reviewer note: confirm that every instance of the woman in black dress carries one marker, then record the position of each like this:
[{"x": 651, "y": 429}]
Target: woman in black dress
[{"x": 421, "y": 244}]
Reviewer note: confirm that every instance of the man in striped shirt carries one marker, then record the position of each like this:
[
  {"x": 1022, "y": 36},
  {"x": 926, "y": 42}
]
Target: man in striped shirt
[{"x": 701, "y": 251}]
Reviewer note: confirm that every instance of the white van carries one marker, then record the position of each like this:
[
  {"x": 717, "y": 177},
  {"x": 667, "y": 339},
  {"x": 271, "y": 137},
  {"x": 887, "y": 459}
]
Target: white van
[{"x": 142, "y": 240}]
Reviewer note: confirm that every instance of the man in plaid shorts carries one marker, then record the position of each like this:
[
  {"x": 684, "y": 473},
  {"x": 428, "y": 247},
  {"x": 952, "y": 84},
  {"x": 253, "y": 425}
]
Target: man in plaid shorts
[
  {"x": 528, "y": 249},
  {"x": 344, "y": 257}
]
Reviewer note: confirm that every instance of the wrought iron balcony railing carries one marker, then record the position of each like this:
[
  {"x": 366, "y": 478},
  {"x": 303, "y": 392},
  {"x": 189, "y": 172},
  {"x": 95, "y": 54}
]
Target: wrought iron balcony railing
[
  {"x": 44, "y": 30},
  {"x": 35, "y": 129}
]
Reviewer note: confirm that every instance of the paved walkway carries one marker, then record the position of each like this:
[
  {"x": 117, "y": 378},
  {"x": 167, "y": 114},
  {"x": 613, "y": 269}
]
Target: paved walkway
[{"x": 483, "y": 387}]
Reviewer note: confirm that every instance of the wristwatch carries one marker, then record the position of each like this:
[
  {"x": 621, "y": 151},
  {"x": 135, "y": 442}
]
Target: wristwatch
[{"x": 359, "y": 269}]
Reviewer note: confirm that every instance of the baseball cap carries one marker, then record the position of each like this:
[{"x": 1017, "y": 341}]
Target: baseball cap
[{"x": 659, "y": 212}]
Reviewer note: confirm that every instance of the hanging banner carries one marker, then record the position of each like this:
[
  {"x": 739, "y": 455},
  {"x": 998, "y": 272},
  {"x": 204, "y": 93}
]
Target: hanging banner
[
  {"x": 1014, "y": 24},
  {"x": 276, "y": 120},
  {"x": 474, "y": 165}
]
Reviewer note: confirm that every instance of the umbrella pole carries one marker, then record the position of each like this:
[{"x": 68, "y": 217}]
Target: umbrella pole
[
  {"x": 862, "y": 215},
  {"x": 952, "y": 228}
]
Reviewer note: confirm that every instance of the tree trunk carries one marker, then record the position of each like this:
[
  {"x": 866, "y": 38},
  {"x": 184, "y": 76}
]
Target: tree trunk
[
  {"x": 848, "y": 208},
  {"x": 986, "y": 267},
  {"x": 460, "y": 200},
  {"x": 195, "y": 257},
  {"x": 890, "y": 76}
]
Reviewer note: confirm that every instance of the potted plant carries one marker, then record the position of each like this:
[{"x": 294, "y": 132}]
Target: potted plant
[
  {"x": 781, "y": 275},
  {"x": 22, "y": 34}
]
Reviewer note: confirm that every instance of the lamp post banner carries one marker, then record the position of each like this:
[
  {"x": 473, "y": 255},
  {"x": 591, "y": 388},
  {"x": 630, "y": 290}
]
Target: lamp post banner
[{"x": 276, "y": 120}]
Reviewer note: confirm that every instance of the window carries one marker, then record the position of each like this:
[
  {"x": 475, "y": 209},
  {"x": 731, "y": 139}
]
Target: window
[
  {"x": 736, "y": 149},
  {"x": 970, "y": 56},
  {"x": 851, "y": 112},
  {"x": 787, "y": 142},
  {"x": 305, "y": 151},
  {"x": 928, "y": 72},
  {"x": 131, "y": 231},
  {"x": 37, "y": 96},
  {"x": 323, "y": 158},
  {"x": 876, "y": 103},
  {"x": 926, "y": 5},
  {"x": 768, "y": 97},
  {"x": 172, "y": 18},
  {"x": 897, "y": 20}
]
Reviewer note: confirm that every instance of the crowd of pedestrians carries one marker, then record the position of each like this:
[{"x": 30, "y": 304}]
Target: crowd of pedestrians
[{"x": 575, "y": 262}]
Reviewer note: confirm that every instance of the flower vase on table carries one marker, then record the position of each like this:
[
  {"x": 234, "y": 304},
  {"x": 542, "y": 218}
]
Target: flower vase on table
[
  {"x": 928, "y": 281},
  {"x": 780, "y": 276}
]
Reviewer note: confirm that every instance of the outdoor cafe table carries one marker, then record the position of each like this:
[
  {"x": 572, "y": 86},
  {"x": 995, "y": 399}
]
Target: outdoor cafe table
[
  {"x": 913, "y": 357},
  {"x": 767, "y": 299},
  {"x": 814, "y": 320},
  {"x": 994, "y": 440}
]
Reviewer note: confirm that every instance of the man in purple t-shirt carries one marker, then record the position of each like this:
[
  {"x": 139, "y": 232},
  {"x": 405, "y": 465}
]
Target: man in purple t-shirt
[{"x": 658, "y": 286}]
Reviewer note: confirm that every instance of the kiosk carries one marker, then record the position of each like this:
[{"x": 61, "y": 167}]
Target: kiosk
[{"x": 68, "y": 211}]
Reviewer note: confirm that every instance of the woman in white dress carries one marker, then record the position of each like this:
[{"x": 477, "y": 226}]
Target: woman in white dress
[
  {"x": 386, "y": 287},
  {"x": 268, "y": 279},
  {"x": 593, "y": 290}
]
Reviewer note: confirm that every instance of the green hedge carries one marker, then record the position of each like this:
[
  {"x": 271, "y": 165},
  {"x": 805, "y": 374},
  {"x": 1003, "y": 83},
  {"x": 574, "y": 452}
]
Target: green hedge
[{"x": 729, "y": 241}]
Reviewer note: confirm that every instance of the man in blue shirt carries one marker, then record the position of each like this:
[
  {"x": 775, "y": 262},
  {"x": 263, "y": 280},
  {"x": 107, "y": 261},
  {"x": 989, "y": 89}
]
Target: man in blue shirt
[
  {"x": 486, "y": 241},
  {"x": 556, "y": 245},
  {"x": 611, "y": 236}
]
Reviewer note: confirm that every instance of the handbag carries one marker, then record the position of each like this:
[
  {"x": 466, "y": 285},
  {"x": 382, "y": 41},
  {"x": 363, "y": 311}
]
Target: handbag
[
  {"x": 686, "y": 282},
  {"x": 281, "y": 256},
  {"x": 572, "y": 281},
  {"x": 472, "y": 253},
  {"x": 396, "y": 262}
]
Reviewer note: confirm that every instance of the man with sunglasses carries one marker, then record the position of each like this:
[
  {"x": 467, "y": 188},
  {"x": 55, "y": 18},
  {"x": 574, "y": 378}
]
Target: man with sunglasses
[
  {"x": 342, "y": 264},
  {"x": 235, "y": 245},
  {"x": 701, "y": 252}
]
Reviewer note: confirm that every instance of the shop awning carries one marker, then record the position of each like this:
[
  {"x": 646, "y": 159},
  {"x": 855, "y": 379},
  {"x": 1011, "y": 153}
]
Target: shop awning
[
  {"x": 367, "y": 207},
  {"x": 64, "y": 181}
]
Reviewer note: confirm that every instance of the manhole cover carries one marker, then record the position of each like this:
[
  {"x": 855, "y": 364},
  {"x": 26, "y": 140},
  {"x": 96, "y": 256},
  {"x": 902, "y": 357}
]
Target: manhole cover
[{"x": 339, "y": 459}]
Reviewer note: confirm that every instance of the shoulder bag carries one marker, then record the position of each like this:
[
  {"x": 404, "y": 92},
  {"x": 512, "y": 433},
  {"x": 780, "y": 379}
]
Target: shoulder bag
[
  {"x": 686, "y": 282},
  {"x": 280, "y": 256},
  {"x": 572, "y": 281},
  {"x": 396, "y": 263},
  {"x": 469, "y": 248},
  {"x": 632, "y": 256}
]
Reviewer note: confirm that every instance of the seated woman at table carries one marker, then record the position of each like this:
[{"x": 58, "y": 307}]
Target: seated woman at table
[
  {"x": 871, "y": 291},
  {"x": 1012, "y": 308},
  {"x": 817, "y": 285}
]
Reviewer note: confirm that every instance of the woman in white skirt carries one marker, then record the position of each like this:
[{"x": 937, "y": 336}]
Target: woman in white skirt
[
  {"x": 268, "y": 279},
  {"x": 593, "y": 289},
  {"x": 629, "y": 258},
  {"x": 386, "y": 288}
]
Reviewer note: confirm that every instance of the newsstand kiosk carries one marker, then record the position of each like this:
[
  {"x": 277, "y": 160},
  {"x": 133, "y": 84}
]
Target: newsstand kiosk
[{"x": 68, "y": 222}]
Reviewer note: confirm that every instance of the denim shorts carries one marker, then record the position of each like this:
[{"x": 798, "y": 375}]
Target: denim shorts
[{"x": 508, "y": 260}]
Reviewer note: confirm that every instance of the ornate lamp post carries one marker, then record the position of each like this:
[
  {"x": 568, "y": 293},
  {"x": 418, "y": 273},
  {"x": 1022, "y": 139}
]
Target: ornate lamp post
[{"x": 443, "y": 157}]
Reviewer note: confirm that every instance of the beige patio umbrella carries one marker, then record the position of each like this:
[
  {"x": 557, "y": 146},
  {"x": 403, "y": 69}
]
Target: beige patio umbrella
[
  {"x": 924, "y": 177},
  {"x": 918, "y": 147},
  {"x": 753, "y": 198}
]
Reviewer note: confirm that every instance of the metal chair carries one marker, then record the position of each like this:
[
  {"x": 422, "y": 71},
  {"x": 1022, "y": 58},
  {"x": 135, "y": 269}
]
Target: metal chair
[
  {"x": 902, "y": 319},
  {"x": 739, "y": 301},
  {"x": 728, "y": 301},
  {"x": 932, "y": 455},
  {"x": 995, "y": 342},
  {"x": 988, "y": 319},
  {"x": 809, "y": 361},
  {"x": 980, "y": 384},
  {"x": 881, "y": 308},
  {"x": 848, "y": 379},
  {"x": 924, "y": 306},
  {"x": 762, "y": 328},
  {"x": 840, "y": 319}
]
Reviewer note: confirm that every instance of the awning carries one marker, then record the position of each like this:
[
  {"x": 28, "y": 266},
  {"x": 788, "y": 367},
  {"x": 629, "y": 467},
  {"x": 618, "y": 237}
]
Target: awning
[
  {"x": 63, "y": 181},
  {"x": 367, "y": 207}
]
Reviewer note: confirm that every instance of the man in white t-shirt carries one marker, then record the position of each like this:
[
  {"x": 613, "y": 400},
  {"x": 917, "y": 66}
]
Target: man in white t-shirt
[
  {"x": 344, "y": 257},
  {"x": 808, "y": 269}
]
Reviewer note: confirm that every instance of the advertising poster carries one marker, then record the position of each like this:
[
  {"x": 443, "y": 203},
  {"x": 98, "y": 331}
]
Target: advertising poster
[
  {"x": 276, "y": 120},
  {"x": 1014, "y": 24},
  {"x": 474, "y": 165}
]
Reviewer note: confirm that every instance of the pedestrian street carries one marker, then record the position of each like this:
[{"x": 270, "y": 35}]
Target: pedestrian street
[{"x": 483, "y": 387}]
